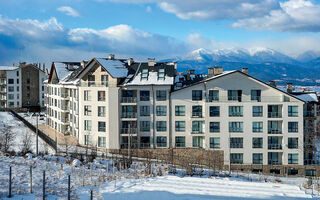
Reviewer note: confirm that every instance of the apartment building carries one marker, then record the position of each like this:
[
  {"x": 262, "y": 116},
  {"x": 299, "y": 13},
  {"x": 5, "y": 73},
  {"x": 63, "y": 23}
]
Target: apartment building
[
  {"x": 112, "y": 103},
  {"x": 22, "y": 86}
]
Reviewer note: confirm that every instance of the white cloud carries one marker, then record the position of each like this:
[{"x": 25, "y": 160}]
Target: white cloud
[
  {"x": 149, "y": 9},
  {"x": 69, "y": 11}
]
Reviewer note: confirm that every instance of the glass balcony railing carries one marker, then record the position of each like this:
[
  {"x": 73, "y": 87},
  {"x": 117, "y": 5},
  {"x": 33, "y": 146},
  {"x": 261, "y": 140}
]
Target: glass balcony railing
[
  {"x": 94, "y": 84},
  {"x": 129, "y": 130},
  {"x": 274, "y": 146},
  {"x": 275, "y": 131},
  {"x": 197, "y": 114},
  {"x": 129, "y": 115},
  {"x": 274, "y": 162},
  {"x": 274, "y": 114},
  {"x": 129, "y": 100}
]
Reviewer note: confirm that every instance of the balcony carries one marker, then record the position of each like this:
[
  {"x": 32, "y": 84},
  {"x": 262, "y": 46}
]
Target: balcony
[
  {"x": 144, "y": 145},
  {"x": 197, "y": 132},
  {"x": 94, "y": 84},
  {"x": 256, "y": 98},
  {"x": 275, "y": 146},
  {"x": 197, "y": 114},
  {"x": 275, "y": 131},
  {"x": 235, "y": 98},
  {"x": 65, "y": 95},
  {"x": 212, "y": 99},
  {"x": 274, "y": 114},
  {"x": 129, "y": 100},
  {"x": 64, "y": 108},
  {"x": 65, "y": 121},
  {"x": 128, "y": 130},
  {"x": 309, "y": 114},
  {"x": 274, "y": 162},
  {"x": 129, "y": 115}
]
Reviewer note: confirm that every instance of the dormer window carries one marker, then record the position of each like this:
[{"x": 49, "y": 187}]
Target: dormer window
[
  {"x": 144, "y": 74},
  {"x": 161, "y": 74}
]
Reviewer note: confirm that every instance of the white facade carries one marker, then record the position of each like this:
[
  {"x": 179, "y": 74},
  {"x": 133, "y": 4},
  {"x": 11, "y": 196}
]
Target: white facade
[{"x": 14, "y": 88}]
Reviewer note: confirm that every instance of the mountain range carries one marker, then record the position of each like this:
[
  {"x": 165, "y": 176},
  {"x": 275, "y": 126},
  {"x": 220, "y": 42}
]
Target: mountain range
[{"x": 263, "y": 63}]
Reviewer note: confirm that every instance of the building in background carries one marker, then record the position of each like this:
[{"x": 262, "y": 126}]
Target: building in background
[{"x": 22, "y": 86}]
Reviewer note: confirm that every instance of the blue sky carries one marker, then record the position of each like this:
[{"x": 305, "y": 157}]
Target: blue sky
[{"x": 38, "y": 30}]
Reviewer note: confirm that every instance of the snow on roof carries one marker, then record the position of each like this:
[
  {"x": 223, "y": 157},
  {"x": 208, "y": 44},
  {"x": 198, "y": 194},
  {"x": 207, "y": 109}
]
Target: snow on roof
[
  {"x": 152, "y": 80},
  {"x": 116, "y": 68},
  {"x": 8, "y": 68},
  {"x": 311, "y": 97},
  {"x": 62, "y": 71}
]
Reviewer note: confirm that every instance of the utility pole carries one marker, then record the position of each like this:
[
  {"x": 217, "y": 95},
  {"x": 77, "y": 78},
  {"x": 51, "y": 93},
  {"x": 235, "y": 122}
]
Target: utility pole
[
  {"x": 55, "y": 134},
  {"x": 129, "y": 143},
  {"x": 37, "y": 138}
]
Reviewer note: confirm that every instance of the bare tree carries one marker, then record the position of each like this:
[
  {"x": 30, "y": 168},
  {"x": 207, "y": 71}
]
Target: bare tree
[
  {"x": 26, "y": 143},
  {"x": 6, "y": 138}
]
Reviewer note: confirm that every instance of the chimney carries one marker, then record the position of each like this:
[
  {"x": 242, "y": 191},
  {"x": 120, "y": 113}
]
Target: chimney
[
  {"x": 111, "y": 57},
  {"x": 244, "y": 70},
  {"x": 217, "y": 71},
  {"x": 289, "y": 88},
  {"x": 151, "y": 62},
  {"x": 189, "y": 73},
  {"x": 273, "y": 83},
  {"x": 130, "y": 61},
  {"x": 210, "y": 71}
]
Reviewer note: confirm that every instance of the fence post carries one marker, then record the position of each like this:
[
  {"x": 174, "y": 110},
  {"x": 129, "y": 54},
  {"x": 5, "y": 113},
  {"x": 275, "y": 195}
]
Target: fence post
[
  {"x": 10, "y": 182},
  {"x": 69, "y": 187},
  {"x": 44, "y": 185},
  {"x": 30, "y": 179}
]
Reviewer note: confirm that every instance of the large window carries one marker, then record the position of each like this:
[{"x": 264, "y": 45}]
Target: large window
[
  {"x": 234, "y": 95},
  {"x": 257, "y": 127},
  {"x": 197, "y": 141},
  {"x": 144, "y": 74},
  {"x": 256, "y": 95},
  {"x": 292, "y": 143},
  {"x": 292, "y": 158},
  {"x": 11, "y": 96},
  {"x": 274, "y": 127},
  {"x": 236, "y": 158},
  {"x": 11, "y": 89},
  {"x": 101, "y": 95},
  {"x": 144, "y": 111},
  {"x": 235, "y": 111},
  {"x": 214, "y": 142},
  {"x": 257, "y": 143},
  {"x": 161, "y": 110},
  {"x": 101, "y": 111},
  {"x": 161, "y": 141},
  {"x": 180, "y": 141},
  {"x": 236, "y": 143},
  {"x": 257, "y": 111},
  {"x": 87, "y": 125},
  {"x": 144, "y": 95},
  {"x": 87, "y": 140},
  {"x": 257, "y": 158},
  {"x": 236, "y": 127},
  {"x": 101, "y": 141},
  {"x": 10, "y": 81},
  {"x": 161, "y": 95},
  {"x": 292, "y": 111},
  {"x": 104, "y": 80},
  {"x": 144, "y": 125},
  {"x": 213, "y": 95},
  {"x": 214, "y": 111},
  {"x": 87, "y": 95},
  {"x": 180, "y": 126},
  {"x": 102, "y": 126},
  {"x": 196, "y": 95},
  {"x": 197, "y": 127},
  {"x": 180, "y": 110},
  {"x": 274, "y": 111},
  {"x": 161, "y": 126},
  {"x": 292, "y": 127},
  {"x": 196, "y": 111},
  {"x": 87, "y": 110},
  {"x": 161, "y": 74},
  {"x": 214, "y": 127}
]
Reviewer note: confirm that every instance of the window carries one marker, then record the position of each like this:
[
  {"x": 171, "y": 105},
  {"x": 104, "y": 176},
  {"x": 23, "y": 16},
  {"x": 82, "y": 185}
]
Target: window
[
  {"x": 274, "y": 111},
  {"x": 11, "y": 89},
  {"x": 101, "y": 111},
  {"x": 10, "y": 96},
  {"x": 196, "y": 95},
  {"x": 213, "y": 95},
  {"x": 87, "y": 110},
  {"x": 292, "y": 158},
  {"x": 144, "y": 125},
  {"x": 91, "y": 80},
  {"x": 18, "y": 74},
  {"x": 87, "y": 95},
  {"x": 101, "y": 141},
  {"x": 236, "y": 158},
  {"x": 234, "y": 95},
  {"x": 292, "y": 111},
  {"x": 101, "y": 95},
  {"x": 274, "y": 127},
  {"x": 17, "y": 81},
  {"x": 18, "y": 88},
  {"x": 144, "y": 111},
  {"x": 180, "y": 110},
  {"x": 144, "y": 74},
  {"x": 161, "y": 74},
  {"x": 214, "y": 127},
  {"x": 144, "y": 95},
  {"x": 11, "y": 104},
  {"x": 161, "y": 126},
  {"x": 102, "y": 126},
  {"x": 214, "y": 142},
  {"x": 87, "y": 140},
  {"x": 257, "y": 127},
  {"x": 256, "y": 95},
  {"x": 292, "y": 143},
  {"x": 197, "y": 141},
  {"x": 161, "y": 141},
  {"x": 236, "y": 143},
  {"x": 196, "y": 111},
  {"x": 104, "y": 80},
  {"x": 10, "y": 81},
  {"x": 214, "y": 111},
  {"x": 161, "y": 110},
  {"x": 87, "y": 125},
  {"x": 257, "y": 143},
  {"x": 180, "y": 141},
  {"x": 292, "y": 127},
  {"x": 235, "y": 126},
  {"x": 257, "y": 111},
  {"x": 257, "y": 158},
  {"x": 180, "y": 126},
  {"x": 161, "y": 95},
  {"x": 197, "y": 127},
  {"x": 235, "y": 111}
]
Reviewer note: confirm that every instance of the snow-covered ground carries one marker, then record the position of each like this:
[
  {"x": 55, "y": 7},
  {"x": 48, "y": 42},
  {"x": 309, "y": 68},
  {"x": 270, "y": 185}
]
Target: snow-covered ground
[
  {"x": 108, "y": 183},
  {"x": 19, "y": 130}
]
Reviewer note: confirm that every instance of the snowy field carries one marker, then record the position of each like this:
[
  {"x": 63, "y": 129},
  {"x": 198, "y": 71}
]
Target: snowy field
[
  {"x": 20, "y": 130},
  {"x": 107, "y": 182}
]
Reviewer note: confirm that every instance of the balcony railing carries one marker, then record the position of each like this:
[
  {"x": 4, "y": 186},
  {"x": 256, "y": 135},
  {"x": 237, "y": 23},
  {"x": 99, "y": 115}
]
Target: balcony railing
[
  {"x": 129, "y": 115},
  {"x": 65, "y": 120},
  {"x": 274, "y": 162},
  {"x": 274, "y": 114},
  {"x": 236, "y": 145},
  {"x": 248, "y": 98},
  {"x": 64, "y": 95},
  {"x": 129, "y": 100},
  {"x": 197, "y": 114},
  {"x": 94, "y": 84},
  {"x": 128, "y": 130},
  {"x": 144, "y": 145},
  {"x": 63, "y": 107},
  {"x": 197, "y": 132},
  {"x": 212, "y": 99},
  {"x": 256, "y": 98},
  {"x": 274, "y": 146},
  {"x": 235, "y": 98},
  {"x": 275, "y": 131},
  {"x": 309, "y": 114}
]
